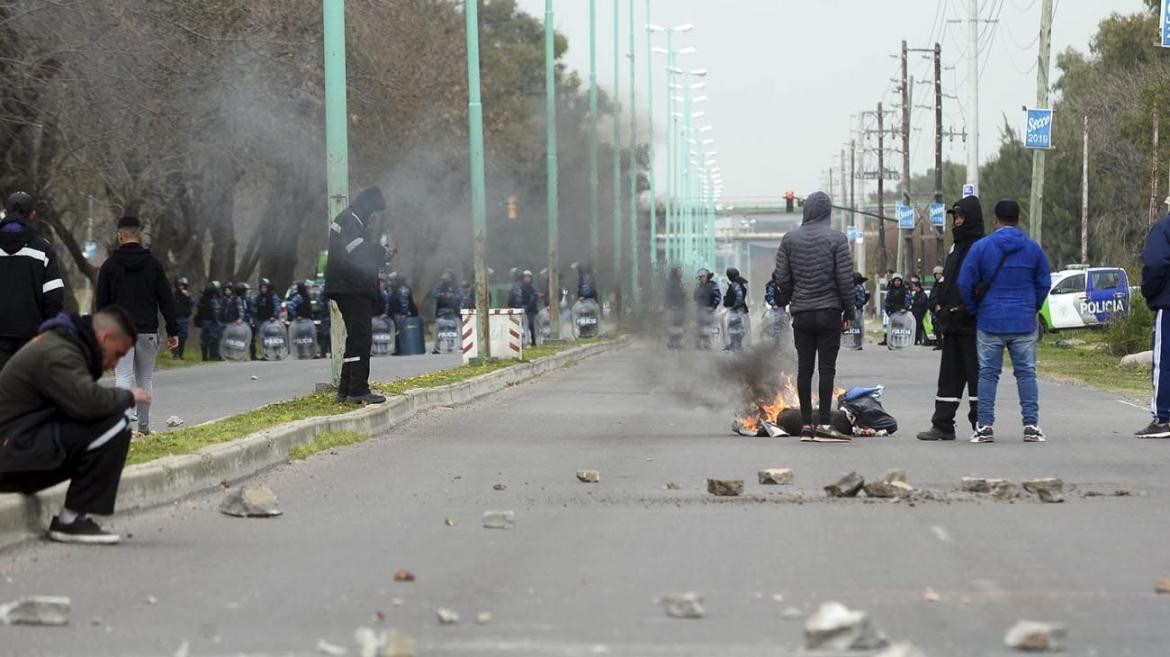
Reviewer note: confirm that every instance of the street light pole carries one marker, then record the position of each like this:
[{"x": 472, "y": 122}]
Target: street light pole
[
  {"x": 550, "y": 85},
  {"x": 650, "y": 147},
  {"x": 478, "y": 195},
  {"x": 617, "y": 161},
  {"x": 594, "y": 208},
  {"x": 336, "y": 147},
  {"x": 671, "y": 163},
  {"x": 635, "y": 286}
]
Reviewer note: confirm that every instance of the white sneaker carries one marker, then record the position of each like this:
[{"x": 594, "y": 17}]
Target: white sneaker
[
  {"x": 983, "y": 435},
  {"x": 1033, "y": 434}
]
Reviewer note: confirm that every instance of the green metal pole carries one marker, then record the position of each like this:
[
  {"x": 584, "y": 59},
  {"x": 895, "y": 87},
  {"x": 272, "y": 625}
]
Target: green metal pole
[
  {"x": 650, "y": 148},
  {"x": 478, "y": 195},
  {"x": 618, "y": 234},
  {"x": 550, "y": 85},
  {"x": 635, "y": 257},
  {"x": 671, "y": 125},
  {"x": 688, "y": 235},
  {"x": 594, "y": 208},
  {"x": 336, "y": 147}
]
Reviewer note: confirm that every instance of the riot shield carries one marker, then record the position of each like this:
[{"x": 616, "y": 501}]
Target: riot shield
[
  {"x": 447, "y": 334},
  {"x": 777, "y": 328},
  {"x": 302, "y": 335},
  {"x": 736, "y": 327},
  {"x": 708, "y": 326},
  {"x": 854, "y": 338},
  {"x": 566, "y": 322},
  {"x": 273, "y": 340},
  {"x": 676, "y": 321},
  {"x": 902, "y": 326},
  {"x": 234, "y": 343},
  {"x": 543, "y": 326},
  {"x": 586, "y": 319},
  {"x": 383, "y": 337}
]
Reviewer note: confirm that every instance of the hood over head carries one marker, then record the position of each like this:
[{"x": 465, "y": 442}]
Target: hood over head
[
  {"x": 817, "y": 209},
  {"x": 131, "y": 257},
  {"x": 972, "y": 228},
  {"x": 81, "y": 330},
  {"x": 367, "y": 202}
]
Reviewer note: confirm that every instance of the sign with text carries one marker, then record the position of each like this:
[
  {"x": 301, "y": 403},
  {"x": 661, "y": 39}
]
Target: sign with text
[
  {"x": 968, "y": 190},
  {"x": 1039, "y": 130},
  {"x": 905, "y": 216},
  {"x": 938, "y": 215}
]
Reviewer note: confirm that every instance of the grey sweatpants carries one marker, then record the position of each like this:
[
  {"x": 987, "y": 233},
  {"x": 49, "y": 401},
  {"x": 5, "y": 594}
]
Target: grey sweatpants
[{"x": 136, "y": 369}]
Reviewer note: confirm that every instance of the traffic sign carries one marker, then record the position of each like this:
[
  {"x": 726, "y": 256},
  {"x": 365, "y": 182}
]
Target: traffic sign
[
  {"x": 938, "y": 215},
  {"x": 905, "y": 216},
  {"x": 1039, "y": 131},
  {"x": 1166, "y": 23},
  {"x": 968, "y": 190}
]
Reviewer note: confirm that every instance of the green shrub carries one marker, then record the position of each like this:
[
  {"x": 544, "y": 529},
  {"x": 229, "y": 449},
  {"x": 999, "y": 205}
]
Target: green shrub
[{"x": 1130, "y": 333}]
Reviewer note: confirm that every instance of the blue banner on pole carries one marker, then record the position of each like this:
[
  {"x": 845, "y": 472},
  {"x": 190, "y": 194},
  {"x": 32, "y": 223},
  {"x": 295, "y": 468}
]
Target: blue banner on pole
[
  {"x": 1166, "y": 23},
  {"x": 905, "y": 216},
  {"x": 938, "y": 215},
  {"x": 1039, "y": 129}
]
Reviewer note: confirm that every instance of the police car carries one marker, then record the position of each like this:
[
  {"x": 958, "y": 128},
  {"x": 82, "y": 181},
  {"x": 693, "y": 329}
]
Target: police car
[{"x": 1085, "y": 296}]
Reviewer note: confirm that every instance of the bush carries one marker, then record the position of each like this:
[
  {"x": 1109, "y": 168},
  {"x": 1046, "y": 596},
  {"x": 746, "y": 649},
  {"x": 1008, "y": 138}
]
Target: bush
[{"x": 1130, "y": 333}]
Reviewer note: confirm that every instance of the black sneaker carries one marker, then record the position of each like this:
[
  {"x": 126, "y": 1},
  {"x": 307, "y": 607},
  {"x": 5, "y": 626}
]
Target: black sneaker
[
  {"x": 82, "y": 530},
  {"x": 1033, "y": 434},
  {"x": 934, "y": 433},
  {"x": 369, "y": 398},
  {"x": 983, "y": 435},
  {"x": 825, "y": 433},
  {"x": 808, "y": 434},
  {"x": 1155, "y": 430}
]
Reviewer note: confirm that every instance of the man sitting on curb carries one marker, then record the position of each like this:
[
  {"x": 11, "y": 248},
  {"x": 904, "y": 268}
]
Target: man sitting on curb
[{"x": 58, "y": 423}]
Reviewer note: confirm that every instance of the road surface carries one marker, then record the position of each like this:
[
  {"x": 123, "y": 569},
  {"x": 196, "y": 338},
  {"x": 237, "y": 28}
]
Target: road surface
[{"x": 580, "y": 572}]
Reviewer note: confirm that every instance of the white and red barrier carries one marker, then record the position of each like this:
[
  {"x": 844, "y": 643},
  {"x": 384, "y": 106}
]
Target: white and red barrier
[{"x": 505, "y": 329}]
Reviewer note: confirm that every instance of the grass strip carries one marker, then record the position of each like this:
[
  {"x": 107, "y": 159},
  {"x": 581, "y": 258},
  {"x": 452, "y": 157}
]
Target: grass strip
[
  {"x": 325, "y": 441},
  {"x": 1090, "y": 365},
  {"x": 188, "y": 440}
]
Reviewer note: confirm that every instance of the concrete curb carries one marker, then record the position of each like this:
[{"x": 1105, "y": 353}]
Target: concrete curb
[{"x": 173, "y": 477}]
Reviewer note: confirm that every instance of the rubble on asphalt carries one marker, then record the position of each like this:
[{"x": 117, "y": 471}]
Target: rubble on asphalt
[
  {"x": 500, "y": 487},
  {"x": 670, "y": 485},
  {"x": 403, "y": 576},
  {"x": 999, "y": 487},
  {"x": 1162, "y": 585},
  {"x": 847, "y": 486},
  {"x": 446, "y": 616},
  {"x": 892, "y": 484},
  {"x": 901, "y": 649},
  {"x": 174, "y": 421},
  {"x": 835, "y": 627},
  {"x": 499, "y": 519},
  {"x": 725, "y": 487},
  {"x": 588, "y": 476},
  {"x": 383, "y": 644},
  {"x": 775, "y": 476},
  {"x": 683, "y": 605},
  {"x": 483, "y": 618},
  {"x": 1034, "y": 636},
  {"x": 1048, "y": 489},
  {"x": 251, "y": 501},
  {"x": 37, "y": 610}
]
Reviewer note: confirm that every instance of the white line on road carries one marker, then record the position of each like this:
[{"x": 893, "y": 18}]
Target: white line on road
[{"x": 1129, "y": 403}]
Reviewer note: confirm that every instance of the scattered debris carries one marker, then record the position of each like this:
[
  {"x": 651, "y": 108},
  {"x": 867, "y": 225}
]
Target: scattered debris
[
  {"x": 446, "y": 616},
  {"x": 37, "y": 610},
  {"x": 998, "y": 487},
  {"x": 901, "y": 649},
  {"x": 450, "y": 522},
  {"x": 930, "y": 595},
  {"x": 174, "y": 421},
  {"x": 326, "y": 648},
  {"x": 791, "y": 613},
  {"x": 892, "y": 484},
  {"x": 397, "y": 602},
  {"x": 775, "y": 476},
  {"x": 255, "y": 501},
  {"x": 384, "y": 644},
  {"x": 1033, "y": 636},
  {"x": 670, "y": 485},
  {"x": 483, "y": 618},
  {"x": 500, "y": 487},
  {"x": 589, "y": 476},
  {"x": 683, "y": 605},
  {"x": 151, "y": 600},
  {"x": 725, "y": 487},
  {"x": 499, "y": 519},
  {"x": 1049, "y": 489},
  {"x": 776, "y": 597},
  {"x": 836, "y": 627},
  {"x": 403, "y": 576},
  {"x": 847, "y": 486},
  {"x": 255, "y": 378},
  {"x": 1162, "y": 585}
]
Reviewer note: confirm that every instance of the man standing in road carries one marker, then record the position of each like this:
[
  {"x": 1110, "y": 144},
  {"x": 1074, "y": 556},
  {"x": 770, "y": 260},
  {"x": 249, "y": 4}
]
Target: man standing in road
[
  {"x": 351, "y": 280},
  {"x": 32, "y": 289},
  {"x": 60, "y": 424},
  {"x": 814, "y": 277},
  {"x": 134, "y": 279},
  {"x": 1156, "y": 290},
  {"x": 1004, "y": 282},
  {"x": 959, "y": 367},
  {"x": 184, "y": 305}
]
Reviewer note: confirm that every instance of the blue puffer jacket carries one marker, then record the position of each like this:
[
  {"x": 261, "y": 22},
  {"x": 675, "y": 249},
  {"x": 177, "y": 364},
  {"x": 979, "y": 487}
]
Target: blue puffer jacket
[
  {"x": 1017, "y": 292},
  {"x": 1156, "y": 266}
]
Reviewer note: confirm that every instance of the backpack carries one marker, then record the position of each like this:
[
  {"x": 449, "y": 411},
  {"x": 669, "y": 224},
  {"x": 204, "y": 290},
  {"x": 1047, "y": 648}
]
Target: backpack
[{"x": 864, "y": 408}]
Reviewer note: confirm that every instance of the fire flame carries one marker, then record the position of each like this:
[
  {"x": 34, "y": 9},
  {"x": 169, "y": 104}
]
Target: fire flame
[{"x": 770, "y": 409}]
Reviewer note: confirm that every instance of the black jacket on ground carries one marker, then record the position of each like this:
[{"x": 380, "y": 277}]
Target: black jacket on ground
[
  {"x": 814, "y": 268},
  {"x": 354, "y": 257},
  {"x": 946, "y": 295},
  {"x": 134, "y": 279},
  {"x": 31, "y": 289}
]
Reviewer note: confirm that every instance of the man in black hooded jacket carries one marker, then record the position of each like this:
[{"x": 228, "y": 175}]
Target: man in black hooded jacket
[
  {"x": 32, "y": 289},
  {"x": 959, "y": 367},
  {"x": 351, "y": 280}
]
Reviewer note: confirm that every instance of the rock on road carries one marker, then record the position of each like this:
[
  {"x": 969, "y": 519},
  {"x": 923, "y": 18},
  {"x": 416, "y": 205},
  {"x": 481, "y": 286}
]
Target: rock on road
[{"x": 581, "y": 570}]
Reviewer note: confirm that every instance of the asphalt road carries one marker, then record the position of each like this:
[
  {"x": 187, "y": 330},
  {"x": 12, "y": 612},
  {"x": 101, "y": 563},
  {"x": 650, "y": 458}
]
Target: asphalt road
[
  {"x": 580, "y": 572},
  {"x": 209, "y": 392}
]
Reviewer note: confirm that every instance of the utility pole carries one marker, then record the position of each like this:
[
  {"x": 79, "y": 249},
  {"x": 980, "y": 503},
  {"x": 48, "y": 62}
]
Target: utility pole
[
  {"x": 617, "y": 162},
  {"x": 650, "y": 151},
  {"x": 1036, "y": 204},
  {"x": 550, "y": 113},
  {"x": 938, "y": 155},
  {"x": 906, "y": 243},
  {"x": 973, "y": 77},
  {"x": 1154, "y": 171},
  {"x": 635, "y": 257},
  {"x": 594, "y": 207},
  {"x": 1085, "y": 193},
  {"x": 478, "y": 192},
  {"x": 844, "y": 217},
  {"x": 336, "y": 148},
  {"x": 881, "y": 254},
  {"x": 858, "y": 226}
]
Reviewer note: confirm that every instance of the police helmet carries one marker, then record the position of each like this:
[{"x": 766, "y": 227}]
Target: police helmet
[
  {"x": 182, "y": 280},
  {"x": 733, "y": 273},
  {"x": 19, "y": 202}
]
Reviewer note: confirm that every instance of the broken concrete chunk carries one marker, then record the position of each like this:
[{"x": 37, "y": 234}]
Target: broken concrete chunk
[
  {"x": 894, "y": 475},
  {"x": 1001, "y": 487},
  {"x": 725, "y": 487},
  {"x": 683, "y": 605},
  {"x": 37, "y": 610},
  {"x": 887, "y": 489},
  {"x": 901, "y": 649},
  {"x": 835, "y": 627},
  {"x": 446, "y": 616},
  {"x": 847, "y": 486},
  {"x": 174, "y": 421},
  {"x": 254, "y": 501},
  {"x": 589, "y": 476},
  {"x": 1033, "y": 636},
  {"x": 1049, "y": 489},
  {"x": 499, "y": 519},
  {"x": 775, "y": 476}
]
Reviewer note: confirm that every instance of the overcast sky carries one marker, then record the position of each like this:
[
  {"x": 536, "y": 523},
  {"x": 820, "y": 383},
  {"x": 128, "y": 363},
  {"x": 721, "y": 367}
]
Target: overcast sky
[{"x": 786, "y": 75}]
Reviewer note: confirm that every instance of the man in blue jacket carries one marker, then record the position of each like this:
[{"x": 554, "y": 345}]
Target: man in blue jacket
[
  {"x": 1004, "y": 282},
  {"x": 1156, "y": 290}
]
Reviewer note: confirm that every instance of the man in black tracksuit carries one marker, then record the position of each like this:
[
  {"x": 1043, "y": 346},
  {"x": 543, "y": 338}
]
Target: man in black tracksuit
[
  {"x": 351, "y": 280},
  {"x": 31, "y": 289},
  {"x": 959, "y": 368}
]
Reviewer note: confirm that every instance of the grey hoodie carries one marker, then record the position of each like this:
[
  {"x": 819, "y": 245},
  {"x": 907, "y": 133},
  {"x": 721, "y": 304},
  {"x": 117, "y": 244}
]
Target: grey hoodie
[{"x": 814, "y": 268}]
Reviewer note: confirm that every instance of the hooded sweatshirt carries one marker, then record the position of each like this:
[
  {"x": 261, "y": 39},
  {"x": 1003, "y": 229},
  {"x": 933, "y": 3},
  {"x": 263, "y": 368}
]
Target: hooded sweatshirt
[
  {"x": 1017, "y": 291},
  {"x": 955, "y": 319},
  {"x": 814, "y": 268},
  {"x": 134, "y": 279},
  {"x": 32, "y": 289},
  {"x": 354, "y": 258}
]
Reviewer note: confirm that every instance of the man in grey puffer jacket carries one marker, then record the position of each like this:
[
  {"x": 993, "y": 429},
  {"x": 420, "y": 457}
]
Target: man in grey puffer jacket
[{"x": 814, "y": 276}]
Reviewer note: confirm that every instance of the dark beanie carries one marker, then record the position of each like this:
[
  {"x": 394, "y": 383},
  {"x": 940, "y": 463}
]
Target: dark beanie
[{"x": 129, "y": 222}]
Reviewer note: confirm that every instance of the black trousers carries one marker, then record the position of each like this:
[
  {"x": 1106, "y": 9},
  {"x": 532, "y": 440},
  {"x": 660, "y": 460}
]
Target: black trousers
[
  {"x": 817, "y": 334},
  {"x": 184, "y": 324},
  {"x": 9, "y": 347},
  {"x": 357, "y": 312},
  {"x": 958, "y": 370},
  {"x": 95, "y": 454}
]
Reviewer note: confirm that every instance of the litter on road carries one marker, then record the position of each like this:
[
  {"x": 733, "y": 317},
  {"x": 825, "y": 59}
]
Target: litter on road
[
  {"x": 725, "y": 487},
  {"x": 499, "y": 519},
  {"x": 37, "y": 610},
  {"x": 588, "y": 476},
  {"x": 1049, "y": 489},
  {"x": 847, "y": 486},
  {"x": 403, "y": 576},
  {"x": 446, "y": 616},
  {"x": 251, "y": 502},
  {"x": 683, "y": 605},
  {"x": 1034, "y": 636},
  {"x": 775, "y": 476},
  {"x": 833, "y": 626}
]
